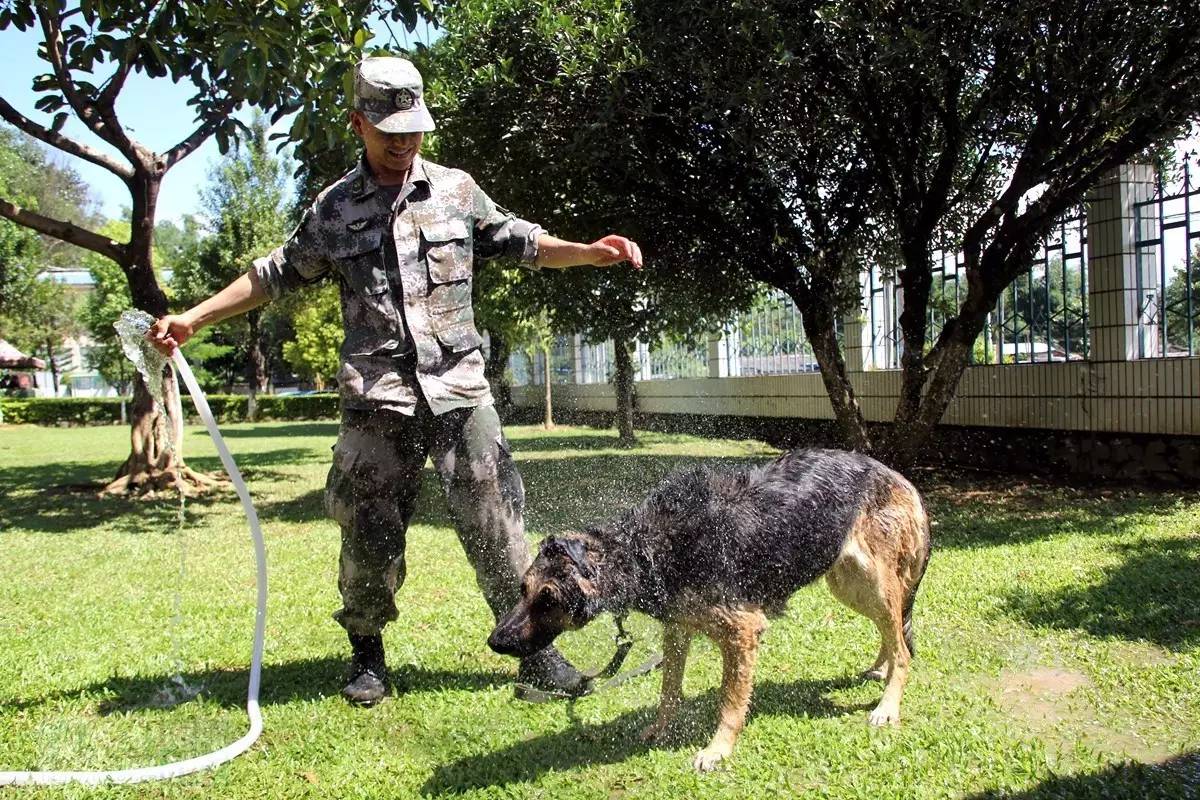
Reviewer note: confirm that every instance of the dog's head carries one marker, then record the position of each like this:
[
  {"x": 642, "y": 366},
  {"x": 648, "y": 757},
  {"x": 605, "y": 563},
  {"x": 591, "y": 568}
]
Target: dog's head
[{"x": 560, "y": 592}]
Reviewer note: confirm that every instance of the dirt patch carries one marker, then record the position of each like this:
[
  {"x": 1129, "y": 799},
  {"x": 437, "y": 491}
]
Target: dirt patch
[
  {"x": 1048, "y": 702},
  {"x": 1040, "y": 694}
]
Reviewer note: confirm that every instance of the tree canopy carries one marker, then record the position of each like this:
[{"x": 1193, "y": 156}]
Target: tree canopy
[{"x": 799, "y": 143}]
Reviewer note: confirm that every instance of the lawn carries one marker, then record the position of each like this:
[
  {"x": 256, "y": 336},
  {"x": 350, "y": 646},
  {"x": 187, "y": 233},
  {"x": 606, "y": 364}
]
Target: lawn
[{"x": 1058, "y": 634}]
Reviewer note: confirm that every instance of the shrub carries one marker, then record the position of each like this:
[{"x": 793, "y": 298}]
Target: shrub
[
  {"x": 226, "y": 408},
  {"x": 61, "y": 410}
]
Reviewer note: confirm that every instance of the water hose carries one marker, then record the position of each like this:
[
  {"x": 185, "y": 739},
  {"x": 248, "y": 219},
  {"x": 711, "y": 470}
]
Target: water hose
[{"x": 230, "y": 751}]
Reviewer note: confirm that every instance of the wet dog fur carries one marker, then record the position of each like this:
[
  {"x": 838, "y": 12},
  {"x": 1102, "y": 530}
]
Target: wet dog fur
[{"x": 718, "y": 552}]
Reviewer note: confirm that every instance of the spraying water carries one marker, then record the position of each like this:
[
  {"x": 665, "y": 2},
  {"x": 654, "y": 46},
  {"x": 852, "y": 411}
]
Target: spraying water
[
  {"x": 131, "y": 330},
  {"x": 132, "y": 327}
]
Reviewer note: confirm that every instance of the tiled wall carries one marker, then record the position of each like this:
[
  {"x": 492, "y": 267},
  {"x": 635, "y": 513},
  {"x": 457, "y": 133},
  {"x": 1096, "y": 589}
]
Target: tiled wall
[{"x": 1150, "y": 396}]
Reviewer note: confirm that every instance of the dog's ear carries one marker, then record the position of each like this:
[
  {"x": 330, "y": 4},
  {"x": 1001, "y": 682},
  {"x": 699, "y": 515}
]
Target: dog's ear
[
  {"x": 571, "y": 548},
  {"x": 577, "y": 552}
]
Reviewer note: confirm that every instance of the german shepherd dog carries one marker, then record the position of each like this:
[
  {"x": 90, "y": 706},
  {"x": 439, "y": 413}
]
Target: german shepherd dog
[{"x": 718, "y": 552}]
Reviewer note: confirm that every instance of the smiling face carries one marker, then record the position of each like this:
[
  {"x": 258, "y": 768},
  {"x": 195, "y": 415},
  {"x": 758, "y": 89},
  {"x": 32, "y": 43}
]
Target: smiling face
[
  {"x": 558, "y": 593},
  {"x": 389, "y": 154}
]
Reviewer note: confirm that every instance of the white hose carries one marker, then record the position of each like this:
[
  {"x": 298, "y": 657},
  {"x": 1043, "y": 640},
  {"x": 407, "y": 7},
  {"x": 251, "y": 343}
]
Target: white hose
[{"x": 235, "y": 749}]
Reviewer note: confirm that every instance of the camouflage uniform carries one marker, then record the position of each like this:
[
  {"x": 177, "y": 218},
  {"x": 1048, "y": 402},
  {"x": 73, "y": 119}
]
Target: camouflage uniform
[{"x": 411, "y": 379}]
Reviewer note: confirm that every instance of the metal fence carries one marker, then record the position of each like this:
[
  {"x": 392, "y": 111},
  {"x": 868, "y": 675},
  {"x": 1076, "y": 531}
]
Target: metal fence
[
  {"x": 1040, "y": 318},
  {"x": 1168, "y": 263},
  {"x": 769, "y": 339},
  {"x": 672, "y": 358}
]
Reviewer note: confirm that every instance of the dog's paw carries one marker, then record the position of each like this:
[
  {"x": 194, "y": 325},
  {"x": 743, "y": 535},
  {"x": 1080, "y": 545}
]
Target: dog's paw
[
  {"x": 708, "y": 758},
  {"x": 875, "y": 674},
  {"x": 884, "y": 716}
]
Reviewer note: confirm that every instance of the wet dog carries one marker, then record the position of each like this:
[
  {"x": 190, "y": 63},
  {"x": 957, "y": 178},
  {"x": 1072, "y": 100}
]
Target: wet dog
[{"x": 718, "y": 553}]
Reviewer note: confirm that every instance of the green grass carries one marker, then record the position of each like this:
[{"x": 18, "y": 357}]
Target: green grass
[{"x": 1058, "y": 637}]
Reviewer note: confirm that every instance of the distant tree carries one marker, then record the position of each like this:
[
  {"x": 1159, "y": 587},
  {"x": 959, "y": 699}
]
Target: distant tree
[
  {"x": 281, "y": 57},
  {"x": 246, "y": 203},
  {"x": 313, "y": 352},
  {"x": 1181, "y": 302}
]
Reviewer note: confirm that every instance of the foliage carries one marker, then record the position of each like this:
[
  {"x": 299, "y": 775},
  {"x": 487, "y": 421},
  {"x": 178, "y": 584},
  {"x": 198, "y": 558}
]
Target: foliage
[
  {"x": 313, "y": 352},
  {"x": 526, "y": 104},
  {"x": 34, "y": 309},
  {"x": 62, "y": 410}
]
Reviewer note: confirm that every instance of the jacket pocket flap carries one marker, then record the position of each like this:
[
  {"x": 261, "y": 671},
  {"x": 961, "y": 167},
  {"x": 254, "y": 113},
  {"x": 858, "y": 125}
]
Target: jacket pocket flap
[{"x": 445, "y": 230}]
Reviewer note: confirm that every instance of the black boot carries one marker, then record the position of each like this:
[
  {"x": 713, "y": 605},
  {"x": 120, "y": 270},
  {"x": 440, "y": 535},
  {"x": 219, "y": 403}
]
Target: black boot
[
  {"x": 368, "y": 671},
  {"x": 548, "y": 671}
]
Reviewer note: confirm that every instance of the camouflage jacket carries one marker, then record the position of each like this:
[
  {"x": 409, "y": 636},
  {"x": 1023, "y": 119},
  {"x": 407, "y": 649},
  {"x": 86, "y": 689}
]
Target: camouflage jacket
[{"x": 404, "y": 270}]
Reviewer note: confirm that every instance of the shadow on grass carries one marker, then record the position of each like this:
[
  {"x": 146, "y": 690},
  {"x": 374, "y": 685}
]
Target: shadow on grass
[
  {"x": 1174, "y": 779},
  {"x": 617, "y": 740},
  {"x": 1152, "y": 595},
  {"x": 62, "y": 497},
  {"x": 303, "y": 680},
  {"x": 972, "y": 512}
]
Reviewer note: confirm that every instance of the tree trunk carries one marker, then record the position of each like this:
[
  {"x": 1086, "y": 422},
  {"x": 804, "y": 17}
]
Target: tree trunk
[
  {"x": 906, "y": 441},
  {"x": 947, "y": 361},
  {"x": 548, "y": 419},
  {"x": 256, "y": 363},
  {"x": 53, "y": 366},
  {"x": 916, "y": 279},
  {"x": 822, "y": 336},
  {"x": 154, "y": 462},
  {"x": 623, "y": 383},
  {"x": 496, "y": 372}
]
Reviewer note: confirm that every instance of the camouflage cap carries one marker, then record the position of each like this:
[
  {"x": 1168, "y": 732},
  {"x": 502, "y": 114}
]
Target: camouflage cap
[{"x": 388, "y": 91}]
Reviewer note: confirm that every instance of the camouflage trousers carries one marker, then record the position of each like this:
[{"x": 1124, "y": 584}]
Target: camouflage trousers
[{"x": 372, "y": 490}]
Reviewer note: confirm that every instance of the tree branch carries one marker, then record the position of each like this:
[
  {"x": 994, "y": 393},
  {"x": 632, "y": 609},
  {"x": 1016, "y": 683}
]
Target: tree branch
[
  {"x": 66, "y": 231},
  {"x": 113, "y": 86},
  {"x": 82, "y": 106},
  {"x": 101, "y": 117},
  {"x": 196, "y": 138},
  {"x": 64, "y": 143}
]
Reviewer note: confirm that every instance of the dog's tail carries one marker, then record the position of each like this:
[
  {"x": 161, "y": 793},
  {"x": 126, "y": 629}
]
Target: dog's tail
[{"x": 909, "y": 636}]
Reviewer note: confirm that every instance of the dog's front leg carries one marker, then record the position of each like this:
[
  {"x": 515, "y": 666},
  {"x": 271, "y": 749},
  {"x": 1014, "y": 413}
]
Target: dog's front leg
[
  {"x": 676, "y": 642},
  {"x": 738, "y": 640}
]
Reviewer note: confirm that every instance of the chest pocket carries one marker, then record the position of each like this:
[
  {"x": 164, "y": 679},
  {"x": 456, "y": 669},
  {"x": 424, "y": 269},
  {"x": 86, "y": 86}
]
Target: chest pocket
[
  {"x": 359, "y": 257},
  {"x": 448, "y": 256}
]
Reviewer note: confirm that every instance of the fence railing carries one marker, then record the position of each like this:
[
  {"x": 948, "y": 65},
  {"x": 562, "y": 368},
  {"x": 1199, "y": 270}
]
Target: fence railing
[
  {"x": 1045, "y": 316},
  {"x": 1168, "y": 263},
  {"x": 1040, "y": 318}
]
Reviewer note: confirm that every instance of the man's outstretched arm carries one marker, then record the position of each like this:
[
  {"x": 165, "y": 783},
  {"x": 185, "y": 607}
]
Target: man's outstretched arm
[
  {"x": 554, "y": 253},
  {"x": 246, "y": 292}
]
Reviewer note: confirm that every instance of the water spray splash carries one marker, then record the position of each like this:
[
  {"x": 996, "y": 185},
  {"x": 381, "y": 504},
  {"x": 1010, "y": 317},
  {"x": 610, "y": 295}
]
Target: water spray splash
[
  {"x": 131, "y": 330},
  {"x": 132, "y": 327}
]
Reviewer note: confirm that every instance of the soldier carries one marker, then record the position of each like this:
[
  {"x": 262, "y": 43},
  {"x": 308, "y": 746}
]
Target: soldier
[{"x": 401, "y": 235}]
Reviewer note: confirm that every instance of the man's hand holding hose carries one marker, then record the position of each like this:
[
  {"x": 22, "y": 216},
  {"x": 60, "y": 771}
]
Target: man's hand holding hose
[{"x": 172, "y": 330}]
